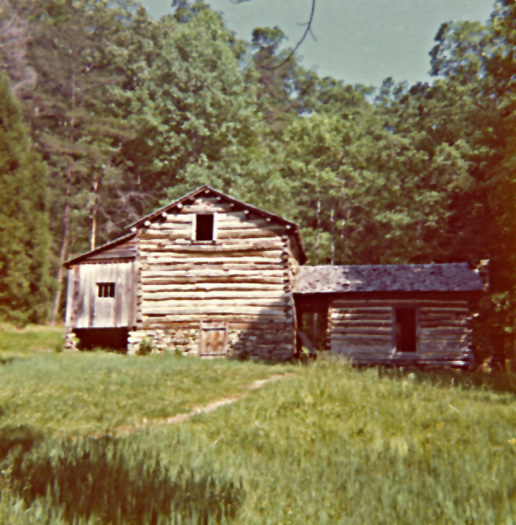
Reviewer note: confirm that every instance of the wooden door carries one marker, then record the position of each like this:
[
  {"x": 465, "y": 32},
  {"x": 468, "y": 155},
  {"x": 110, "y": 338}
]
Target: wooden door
[{"x": 212, "y": 340}]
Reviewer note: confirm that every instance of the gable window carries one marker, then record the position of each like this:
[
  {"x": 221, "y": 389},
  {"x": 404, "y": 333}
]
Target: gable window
[
  {"x": 106, "y": 289},
  {"x": 406, "y": 330},
  {"x": 205, "y": 227}
]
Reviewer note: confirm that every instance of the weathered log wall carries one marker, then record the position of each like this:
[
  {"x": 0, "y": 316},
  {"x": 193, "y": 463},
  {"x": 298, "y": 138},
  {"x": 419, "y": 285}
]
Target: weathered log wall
[
  {"x": 241, "y": 282},
  {"x": 364, "y": 330}
]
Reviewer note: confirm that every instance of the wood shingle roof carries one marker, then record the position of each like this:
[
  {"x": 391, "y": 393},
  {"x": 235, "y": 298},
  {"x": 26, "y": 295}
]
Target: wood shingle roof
[{"x": 449, "y": 277}]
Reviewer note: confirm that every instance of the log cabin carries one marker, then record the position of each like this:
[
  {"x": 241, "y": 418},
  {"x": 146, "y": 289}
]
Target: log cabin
[
  {"x": 393, "y": 314},
  {"x": 209, "y": 275}
]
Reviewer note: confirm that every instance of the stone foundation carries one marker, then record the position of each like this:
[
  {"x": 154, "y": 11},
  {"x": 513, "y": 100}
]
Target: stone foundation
[
  {"x": 70, "y": 342},
  {"x": 260, "y": 341}
]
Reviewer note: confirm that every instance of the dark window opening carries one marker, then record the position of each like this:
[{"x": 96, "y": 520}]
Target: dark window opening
[
  {"x": 204, "y": 227},
  {"x": 106, "y": 289},
  {"x": 406, "y": 335}
]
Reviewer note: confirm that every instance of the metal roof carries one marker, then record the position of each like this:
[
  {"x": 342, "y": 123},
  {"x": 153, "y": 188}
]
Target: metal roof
[{"x": 449, "y": 277}]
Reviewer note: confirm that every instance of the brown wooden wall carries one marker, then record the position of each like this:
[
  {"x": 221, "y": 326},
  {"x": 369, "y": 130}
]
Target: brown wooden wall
[
  {"x": 84, "y": 309},
  {"x": 364, "y": 330},
  {"x": 240, "y": 281}
]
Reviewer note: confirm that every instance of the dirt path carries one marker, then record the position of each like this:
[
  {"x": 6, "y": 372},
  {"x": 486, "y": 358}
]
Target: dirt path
[{"x": 203, "y": 409}]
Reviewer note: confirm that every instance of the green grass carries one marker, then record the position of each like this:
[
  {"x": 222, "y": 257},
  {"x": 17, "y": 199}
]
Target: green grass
[
  {"x": 339, "y": 445},
  {"x": 326, "y": 444},
  {"x": 94, "y": 392},
  {"x": 21, "y": 342}
]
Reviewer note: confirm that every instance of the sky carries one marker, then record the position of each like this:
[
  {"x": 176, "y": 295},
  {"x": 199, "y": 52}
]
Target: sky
[{"x": 358, "y": 41}]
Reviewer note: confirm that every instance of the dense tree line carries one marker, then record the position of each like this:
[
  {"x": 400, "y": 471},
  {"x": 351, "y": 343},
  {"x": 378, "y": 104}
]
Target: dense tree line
[{"x": 119, "y": 112}]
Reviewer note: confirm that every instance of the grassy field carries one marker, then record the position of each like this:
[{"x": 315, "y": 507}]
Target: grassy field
[{"x": 326, "y": 444}]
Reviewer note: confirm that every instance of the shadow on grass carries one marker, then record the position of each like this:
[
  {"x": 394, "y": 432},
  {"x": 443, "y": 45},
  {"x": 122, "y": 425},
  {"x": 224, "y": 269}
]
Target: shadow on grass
[
  {"x": 106, "y": 479},
  {"x": 499, "y": 381}
]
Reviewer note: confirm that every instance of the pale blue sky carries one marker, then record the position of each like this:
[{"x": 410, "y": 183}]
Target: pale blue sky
[{"x": 359, "y": 41}]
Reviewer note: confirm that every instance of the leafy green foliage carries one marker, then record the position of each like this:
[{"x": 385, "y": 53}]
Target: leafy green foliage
[{"x": 25, "y": 284}]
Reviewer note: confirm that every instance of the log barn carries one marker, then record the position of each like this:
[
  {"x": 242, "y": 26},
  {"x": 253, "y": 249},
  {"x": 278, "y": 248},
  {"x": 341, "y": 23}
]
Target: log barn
[
  {"x": 207, "y": 275},
  {"x": 210, "y": 275}
]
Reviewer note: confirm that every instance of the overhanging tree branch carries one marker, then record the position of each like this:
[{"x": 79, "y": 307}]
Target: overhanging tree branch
[{"x": 308, "y": 30}]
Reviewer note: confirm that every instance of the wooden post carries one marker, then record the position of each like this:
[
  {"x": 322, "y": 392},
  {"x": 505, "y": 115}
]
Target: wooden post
[
  {"x": 332, "y": 224},
  {"x": 317, "y": 240}
]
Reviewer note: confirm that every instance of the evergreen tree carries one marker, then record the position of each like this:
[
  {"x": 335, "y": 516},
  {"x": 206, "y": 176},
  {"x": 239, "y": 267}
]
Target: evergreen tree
[{"x": 24, "y": 233}]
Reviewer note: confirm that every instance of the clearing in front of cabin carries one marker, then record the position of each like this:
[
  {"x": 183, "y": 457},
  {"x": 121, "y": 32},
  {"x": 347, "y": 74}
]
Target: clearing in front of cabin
[{"x": 327, "y": 443}]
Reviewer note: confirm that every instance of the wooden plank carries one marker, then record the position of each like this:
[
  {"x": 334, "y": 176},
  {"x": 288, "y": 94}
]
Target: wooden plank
[
  {"x": 306, "y": 342},
  {"x": 209, "y": 286},
  {"x": 269, "y": 310},
  {"x": 212, "y": 252},
  {"x": 433, "y": 304},
  {"x": 214, "y": 275},
  {"x": 212, "y": 316},
  {"x": 366, "y": 323},
  {"x": 217, "y": 294},
  {"x": 242, "y": 247},
  {"x": 215, "y": 303},
  {"x": 70, "y": 296},
  {"x": 151, "y": 259},
  {"x": 362, "y": 330},
  {"x": 187, "y": 268}
]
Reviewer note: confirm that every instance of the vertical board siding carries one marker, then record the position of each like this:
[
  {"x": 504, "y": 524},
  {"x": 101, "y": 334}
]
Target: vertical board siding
[
  {"x": 241, "y": 278},
  {"x": 91, "y": 311},
  {"x": 364, "y": 330}
]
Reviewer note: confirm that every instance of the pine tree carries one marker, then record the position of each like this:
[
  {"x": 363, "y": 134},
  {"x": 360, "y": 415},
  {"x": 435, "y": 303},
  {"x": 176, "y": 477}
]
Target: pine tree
[{"x": 24, "y": 232}]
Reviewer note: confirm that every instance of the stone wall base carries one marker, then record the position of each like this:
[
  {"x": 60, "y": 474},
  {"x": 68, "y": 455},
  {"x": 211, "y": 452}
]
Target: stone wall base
[
  {"x": 258, "y": 341},
  {"x": 70, "y": 342}
]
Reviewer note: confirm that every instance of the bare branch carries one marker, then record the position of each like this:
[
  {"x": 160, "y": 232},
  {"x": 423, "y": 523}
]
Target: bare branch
[
  {"x": 300, "y": 41},
  {"x": 308, "y": 30}
]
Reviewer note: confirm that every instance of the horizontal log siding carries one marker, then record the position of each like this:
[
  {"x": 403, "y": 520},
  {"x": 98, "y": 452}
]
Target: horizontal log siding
[
  {"x": 241, "y": 281},
  {"x": 363, "y": 330}
]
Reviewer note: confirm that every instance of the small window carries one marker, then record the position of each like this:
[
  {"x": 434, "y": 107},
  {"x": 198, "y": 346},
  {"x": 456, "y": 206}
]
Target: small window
[
  {"x": 204, "y": 227},
  {"x": 106, "y": 289},
  {"x": 406, "y": 333}
]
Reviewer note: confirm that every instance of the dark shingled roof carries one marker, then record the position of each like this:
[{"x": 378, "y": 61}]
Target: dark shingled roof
[{"x": 451, "y": 277}]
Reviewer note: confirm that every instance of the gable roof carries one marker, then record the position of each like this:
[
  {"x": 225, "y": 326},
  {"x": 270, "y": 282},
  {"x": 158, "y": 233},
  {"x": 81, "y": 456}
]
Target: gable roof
[
  {"x": 208, "y": 190},
  {"x": 449, "y": 277},
  {"x": 131, "y": 230}
]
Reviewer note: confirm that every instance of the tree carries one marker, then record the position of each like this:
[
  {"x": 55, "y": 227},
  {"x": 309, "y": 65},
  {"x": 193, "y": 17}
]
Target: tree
[
  {"x": 25, "y": 284},
  {"x": 72, "y": 50},
  {"x": 196, "y": 111},
  {"x": 479, "y": 59}
]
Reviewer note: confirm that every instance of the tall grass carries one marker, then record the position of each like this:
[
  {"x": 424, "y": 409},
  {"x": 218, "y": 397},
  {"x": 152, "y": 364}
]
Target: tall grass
[
  {"x": 96, "y": 391},
  {"x": 327, "y": 444},
  {"x": 106, "y": 481},
  {"x": 17, "y": 343},
  {"x": 338, "y": 445}
]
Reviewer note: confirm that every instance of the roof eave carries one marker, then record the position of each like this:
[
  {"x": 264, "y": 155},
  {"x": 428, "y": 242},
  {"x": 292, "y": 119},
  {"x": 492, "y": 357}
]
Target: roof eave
[{"x": 105, "y": 246}]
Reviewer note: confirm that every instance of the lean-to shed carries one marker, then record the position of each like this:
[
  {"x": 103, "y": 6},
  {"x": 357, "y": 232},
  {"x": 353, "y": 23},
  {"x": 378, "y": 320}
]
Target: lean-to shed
[
  {"x": 206, "y": 274},
  {"x": 394, "y": 314}
]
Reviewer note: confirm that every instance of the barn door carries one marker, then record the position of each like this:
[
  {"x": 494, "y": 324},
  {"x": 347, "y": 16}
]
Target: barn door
[{"x": 212, "y": 340}]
